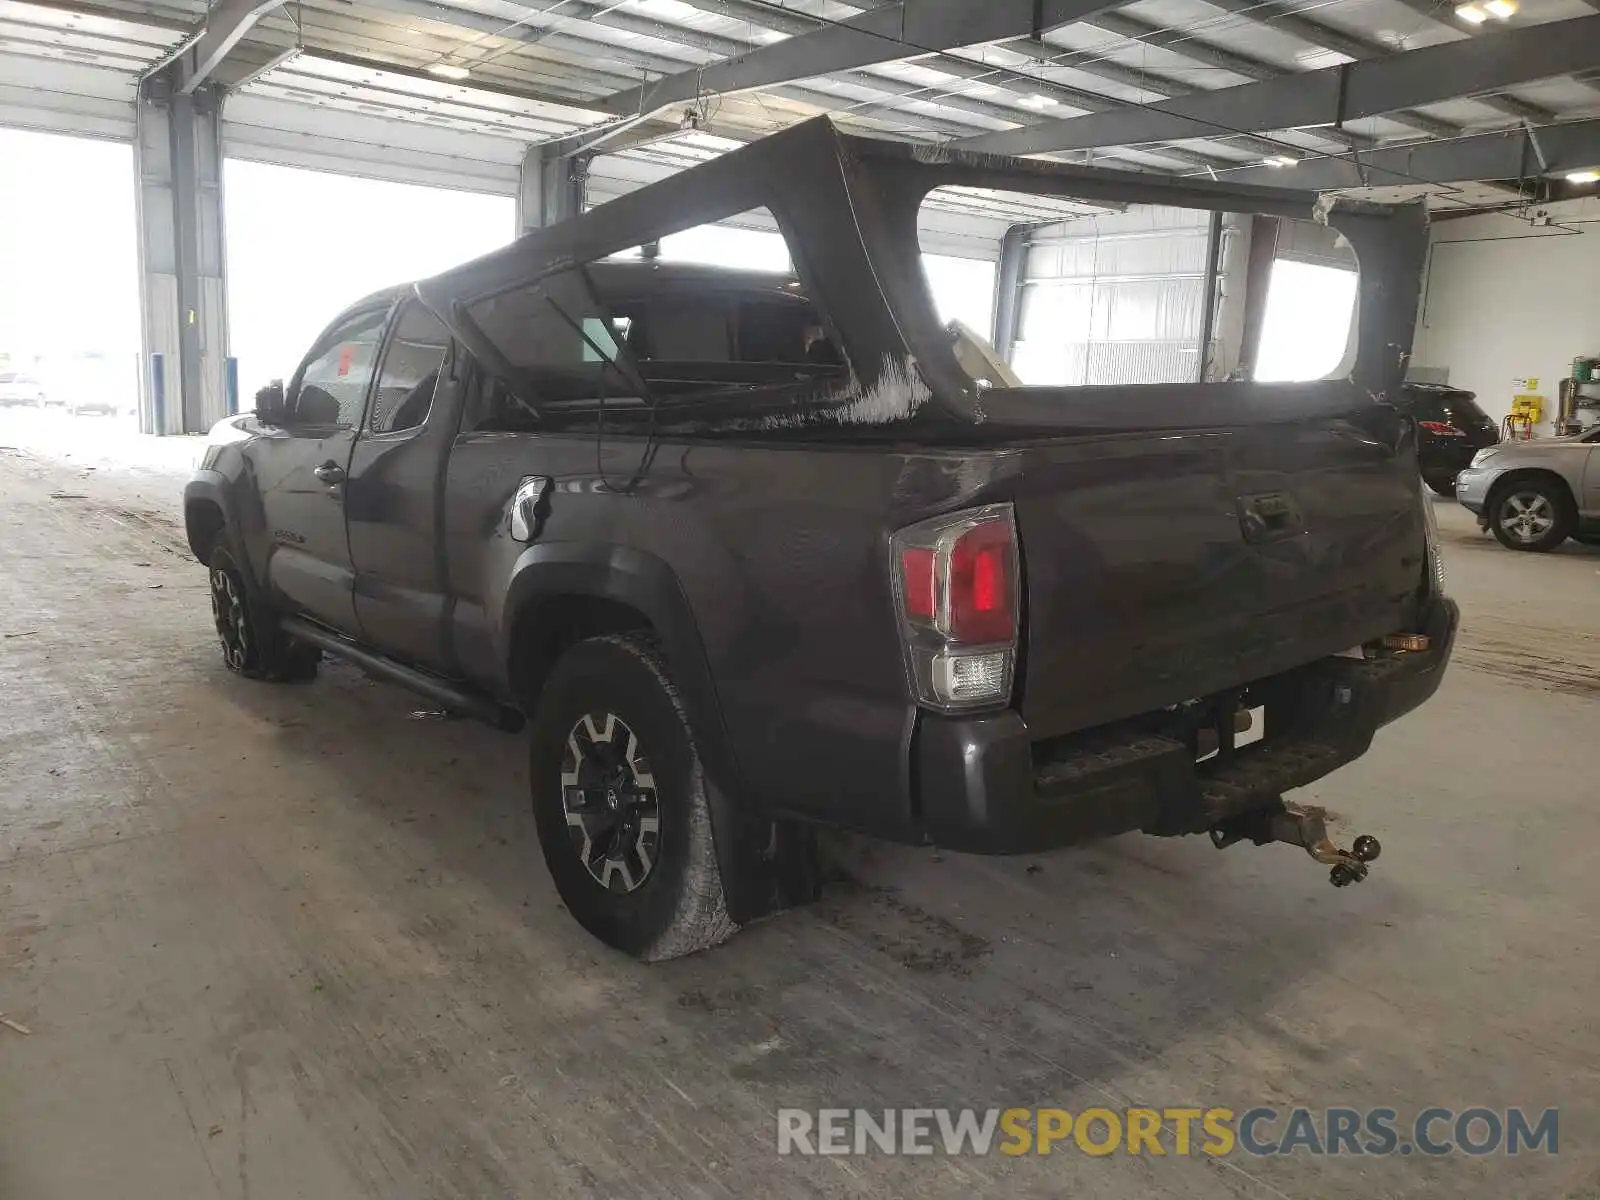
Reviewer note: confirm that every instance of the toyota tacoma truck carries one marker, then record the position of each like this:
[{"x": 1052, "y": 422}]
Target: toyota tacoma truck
[{"x": 750, "y": 555}]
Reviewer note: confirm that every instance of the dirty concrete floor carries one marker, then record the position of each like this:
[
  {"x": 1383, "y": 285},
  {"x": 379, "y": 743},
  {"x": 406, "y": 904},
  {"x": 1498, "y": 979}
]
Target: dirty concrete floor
[{"x": 292, "y": 941}]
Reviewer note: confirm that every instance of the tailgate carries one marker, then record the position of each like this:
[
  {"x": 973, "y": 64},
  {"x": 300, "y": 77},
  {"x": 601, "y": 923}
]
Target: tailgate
[{"x": 1165, "y": 566}]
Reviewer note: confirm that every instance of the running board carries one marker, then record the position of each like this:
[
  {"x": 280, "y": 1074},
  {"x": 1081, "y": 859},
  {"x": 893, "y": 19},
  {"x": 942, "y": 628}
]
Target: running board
[{"x": 447, "y": 694}]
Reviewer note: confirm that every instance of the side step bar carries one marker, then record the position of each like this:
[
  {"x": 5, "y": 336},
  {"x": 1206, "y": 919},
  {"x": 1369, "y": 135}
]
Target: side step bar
[{"x": 445, "y": 693}]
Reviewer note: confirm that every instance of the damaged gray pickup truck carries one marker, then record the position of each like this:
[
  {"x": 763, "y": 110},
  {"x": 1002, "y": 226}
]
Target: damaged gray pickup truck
[{"x": 753, "y": 554}]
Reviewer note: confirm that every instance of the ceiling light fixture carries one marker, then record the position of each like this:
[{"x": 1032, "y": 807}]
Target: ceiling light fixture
[
  {"x": 1479, "y": 11},
  {"x": 1280, "y": 160},
  {"x": 1591, "y": 175},
  {"x": 448, "y": 71},
  {"x": 1038, "y": 101}
]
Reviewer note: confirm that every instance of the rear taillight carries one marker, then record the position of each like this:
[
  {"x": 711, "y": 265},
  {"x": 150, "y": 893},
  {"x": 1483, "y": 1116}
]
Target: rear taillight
[
  {"x": 956, "y": 586},
  {"x": 1442, "y": 428}
]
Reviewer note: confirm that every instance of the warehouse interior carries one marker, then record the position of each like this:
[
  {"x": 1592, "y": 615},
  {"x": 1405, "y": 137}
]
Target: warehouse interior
[{"x": 263, "y": 941}]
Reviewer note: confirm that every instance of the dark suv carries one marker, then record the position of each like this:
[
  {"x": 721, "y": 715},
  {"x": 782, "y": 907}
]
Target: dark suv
[
  {"x": 1451, "y": 428},
  {"x": 750, "y": 554}
]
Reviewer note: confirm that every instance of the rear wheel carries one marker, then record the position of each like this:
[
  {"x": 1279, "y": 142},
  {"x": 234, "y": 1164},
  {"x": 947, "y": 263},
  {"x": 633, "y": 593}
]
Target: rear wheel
[
  {"x": 1530, "y": 514},
  {"x": 619, "y": 796},
  {"x": 252, "y": 643}
]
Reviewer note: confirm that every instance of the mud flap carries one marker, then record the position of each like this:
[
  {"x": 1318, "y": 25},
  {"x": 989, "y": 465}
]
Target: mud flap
[{"x": 766, "y": 865}]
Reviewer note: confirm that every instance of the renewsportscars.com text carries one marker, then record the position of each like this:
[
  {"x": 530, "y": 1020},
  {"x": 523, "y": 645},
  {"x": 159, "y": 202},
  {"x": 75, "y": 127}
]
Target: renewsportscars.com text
[{"x": 1161, "y": 1131}]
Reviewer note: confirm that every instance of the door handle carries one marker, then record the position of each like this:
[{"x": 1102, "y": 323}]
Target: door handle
[{"x": 330, "y": 472}]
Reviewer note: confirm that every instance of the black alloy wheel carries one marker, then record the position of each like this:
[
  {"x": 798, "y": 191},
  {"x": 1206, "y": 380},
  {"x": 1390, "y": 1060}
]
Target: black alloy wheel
[{"x": 609, "y": 796}]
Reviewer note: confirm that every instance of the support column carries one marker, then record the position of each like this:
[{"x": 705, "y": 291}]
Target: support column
[
  {"x": 1257, "y": 280},
  {"x": 1008, "y": 280},
  {"x": 551, "y": 188},
  {"x": 1227, "y": 338},
  {"x": 183, "y": 298},
  {"x": 1210, "y": 298}
]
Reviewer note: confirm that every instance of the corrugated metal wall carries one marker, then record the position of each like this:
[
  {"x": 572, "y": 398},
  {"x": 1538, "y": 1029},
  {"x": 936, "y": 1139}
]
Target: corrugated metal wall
[{"x": 1114, "y": 299}]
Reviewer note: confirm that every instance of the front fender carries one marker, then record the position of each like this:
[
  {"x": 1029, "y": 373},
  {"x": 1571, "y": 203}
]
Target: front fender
[{"x": 204, "y": 487}]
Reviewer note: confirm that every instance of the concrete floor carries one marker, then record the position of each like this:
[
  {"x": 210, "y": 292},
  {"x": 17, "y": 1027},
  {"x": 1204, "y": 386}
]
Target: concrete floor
[{"x": 276, "y": 941}]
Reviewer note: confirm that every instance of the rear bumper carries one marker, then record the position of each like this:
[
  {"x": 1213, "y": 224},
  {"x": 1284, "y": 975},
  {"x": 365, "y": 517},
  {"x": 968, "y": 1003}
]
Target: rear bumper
[{"x": 984, "y": 787}]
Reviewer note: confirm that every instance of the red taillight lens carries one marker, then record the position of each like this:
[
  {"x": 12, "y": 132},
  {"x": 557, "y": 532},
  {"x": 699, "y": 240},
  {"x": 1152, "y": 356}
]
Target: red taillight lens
[
  {"x": 916, "y": 582},
  {"x": 1442, "y": 428},
  {"x": 981, "y": 608},
  {"x": 957, "y": 583}
]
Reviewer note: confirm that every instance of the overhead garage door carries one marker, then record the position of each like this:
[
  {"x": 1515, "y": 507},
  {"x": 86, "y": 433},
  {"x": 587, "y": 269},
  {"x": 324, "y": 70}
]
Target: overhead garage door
[{"x": 1114, "y": 299}]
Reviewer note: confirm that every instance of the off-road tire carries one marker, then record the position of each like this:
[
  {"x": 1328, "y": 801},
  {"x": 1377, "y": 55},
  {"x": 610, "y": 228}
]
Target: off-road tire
[
  {"x": 676, "y": 905},
  {"x": 252, "y": 643}
]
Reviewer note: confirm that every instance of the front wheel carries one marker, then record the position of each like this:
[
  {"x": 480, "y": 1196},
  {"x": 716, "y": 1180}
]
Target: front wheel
[
  {"x": 1530, "y": 515},
  {"x": 252, "y": 643},
  {"x": 619, "y": 797}
]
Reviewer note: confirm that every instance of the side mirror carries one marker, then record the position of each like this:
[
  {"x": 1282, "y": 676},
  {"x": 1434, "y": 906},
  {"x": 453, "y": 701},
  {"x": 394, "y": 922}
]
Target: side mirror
[{"x": 271, "y": 407}]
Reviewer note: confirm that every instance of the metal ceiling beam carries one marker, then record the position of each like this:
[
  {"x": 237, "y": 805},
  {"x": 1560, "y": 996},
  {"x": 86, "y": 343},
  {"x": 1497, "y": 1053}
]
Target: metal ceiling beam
[
  {"x": 1330, "y": 96},
  {"x": 224, "y": 26},
  {"x": 1190, "y": 47},
  {"x": 795, "y": 23},
  {"x": 579, "y": 13},
  {"x": 889, "y": 34},
  {"x": 577, "y": 108},
  {"x": 249, "y": 61},
  {"x": 1281, "y": 17},
  {"x": 587, "y": 106},
  {"x": 1161, "y": 85},
  {"x": 1506, "y": 155},
  {"x": 1182, "y": 42},
  {"x": 789, "y": 21},
  {"x": 1092, "y": 64}
]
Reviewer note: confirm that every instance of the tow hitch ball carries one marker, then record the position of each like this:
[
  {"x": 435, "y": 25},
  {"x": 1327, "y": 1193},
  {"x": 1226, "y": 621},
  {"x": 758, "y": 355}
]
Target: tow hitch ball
[{"x": 1304, "y": 826}]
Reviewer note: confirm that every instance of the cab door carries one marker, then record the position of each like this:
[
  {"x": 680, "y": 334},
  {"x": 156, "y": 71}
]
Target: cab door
[
  {"x": 392, "y": 495},
  {"x": 300, "y": 470}
]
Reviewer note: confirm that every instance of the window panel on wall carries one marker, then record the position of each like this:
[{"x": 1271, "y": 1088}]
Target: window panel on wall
[
  {"x": 962, "y": 290},
  {"x": 301, "y": 245},
  {"x": 1306, "y": 328}
]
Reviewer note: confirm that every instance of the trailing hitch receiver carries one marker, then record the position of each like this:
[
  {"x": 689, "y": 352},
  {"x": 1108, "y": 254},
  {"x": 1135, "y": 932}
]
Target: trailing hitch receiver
[{"x": 1304, "y": 826}]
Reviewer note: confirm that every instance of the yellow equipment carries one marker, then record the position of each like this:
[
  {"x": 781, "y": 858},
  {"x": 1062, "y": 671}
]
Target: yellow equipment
[{"x": 1526, "y": 412}]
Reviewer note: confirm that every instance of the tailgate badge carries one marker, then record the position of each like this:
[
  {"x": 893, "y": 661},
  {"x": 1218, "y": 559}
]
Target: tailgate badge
[{"x": 1269, "y": 517}]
